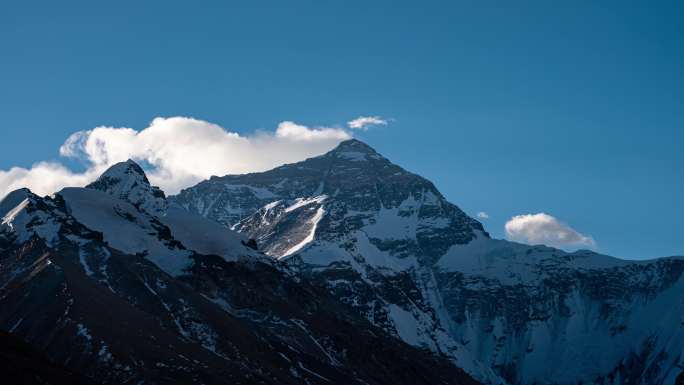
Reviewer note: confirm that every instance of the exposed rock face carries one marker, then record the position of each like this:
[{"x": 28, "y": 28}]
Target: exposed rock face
[
  {"x": 114, "y": 283},
  {"x": 388, "y": 244}
]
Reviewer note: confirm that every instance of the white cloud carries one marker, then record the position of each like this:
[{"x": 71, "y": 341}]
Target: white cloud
[
  {"x": 43, "y": 178},
  {"x": 363, "y": 122},
  {"x": 181, "y": 151},
  {"x": 294, "y": 131},
  {"x": 545, "y": 229},
  {"x": 483, "y": 215}
]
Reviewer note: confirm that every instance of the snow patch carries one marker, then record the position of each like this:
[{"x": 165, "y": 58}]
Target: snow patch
[
  {"x": 83, "y": 332},
  {"x": 12, "y": 214},
  {"x": 405, "y": 324},
  {"x": 125, "y": 228},
  {"x": 301, "y": 202},
  {"x": 309, "y": 238},
  {"x": 204, "y": 235},
  {"x": 400, "y": 222}
]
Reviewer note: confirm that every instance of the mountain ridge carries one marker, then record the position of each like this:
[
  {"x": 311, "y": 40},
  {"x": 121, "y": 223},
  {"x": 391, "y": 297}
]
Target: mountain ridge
[{"x": 332, "y": 269}]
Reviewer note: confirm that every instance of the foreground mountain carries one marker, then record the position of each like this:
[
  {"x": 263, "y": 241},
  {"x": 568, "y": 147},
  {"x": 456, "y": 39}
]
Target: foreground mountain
[
  {"x": 116, "y": 284},
  {"x": 387, "y": 243}
]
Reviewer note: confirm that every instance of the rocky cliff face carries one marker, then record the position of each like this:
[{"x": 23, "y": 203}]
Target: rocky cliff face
[
  {"x": 116, "y": 284},
  {"x": 388, "y": 244}
]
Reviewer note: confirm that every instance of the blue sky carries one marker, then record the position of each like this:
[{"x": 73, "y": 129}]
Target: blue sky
[{"x": 575, "y": 110}]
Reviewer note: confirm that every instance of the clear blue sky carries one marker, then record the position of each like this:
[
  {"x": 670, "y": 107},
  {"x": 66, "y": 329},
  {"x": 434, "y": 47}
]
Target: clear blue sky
[{"x": 574, "y": 109}]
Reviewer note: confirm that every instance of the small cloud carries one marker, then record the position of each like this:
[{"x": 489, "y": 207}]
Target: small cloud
[
  {"x": 483, "y": 215},
  {"x": 545, "y": 229},
  {"x": 363, "y": 122}
]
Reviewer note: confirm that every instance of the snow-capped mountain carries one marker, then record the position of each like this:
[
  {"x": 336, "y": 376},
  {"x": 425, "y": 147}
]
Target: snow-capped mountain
[
  {"x": 388, "y": 244},
  {"x": 115, "y": 283},
  {"x": 127, "y": 181}
]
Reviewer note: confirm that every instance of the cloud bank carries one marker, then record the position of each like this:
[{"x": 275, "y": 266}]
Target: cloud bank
[
  {"x": 364, "y": 122},
  {"x": 545, "y": 229},
  {"x": 177, "y": 152}
]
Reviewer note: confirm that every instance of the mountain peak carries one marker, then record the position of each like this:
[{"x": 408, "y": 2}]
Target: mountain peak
[
  {"x": 354, "y": 150},
  {"x": 127, "y": 181},
  {"x": 129, "y": 167},
  {"x": 354, "y": 145}
]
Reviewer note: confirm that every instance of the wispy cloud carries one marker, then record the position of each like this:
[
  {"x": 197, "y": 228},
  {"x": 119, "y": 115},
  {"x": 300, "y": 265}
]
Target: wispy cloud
[
  {"x": 364, "y": 122},
  {"x": 545, "y": 229},
  {"x": 180, "y": 151},
  {"x": 483, "y": 215}
]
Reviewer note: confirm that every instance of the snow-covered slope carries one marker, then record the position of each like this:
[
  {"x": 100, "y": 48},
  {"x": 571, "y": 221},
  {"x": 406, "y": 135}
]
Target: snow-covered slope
[
  {"x": 387, "y": 243},
  {"x": 604, "y": 320}
]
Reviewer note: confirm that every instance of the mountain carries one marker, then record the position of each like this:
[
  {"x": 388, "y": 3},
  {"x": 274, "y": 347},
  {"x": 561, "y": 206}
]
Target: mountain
[
  {"x": 120, "y": 286},
  {"x": 388, "y": 244}
]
